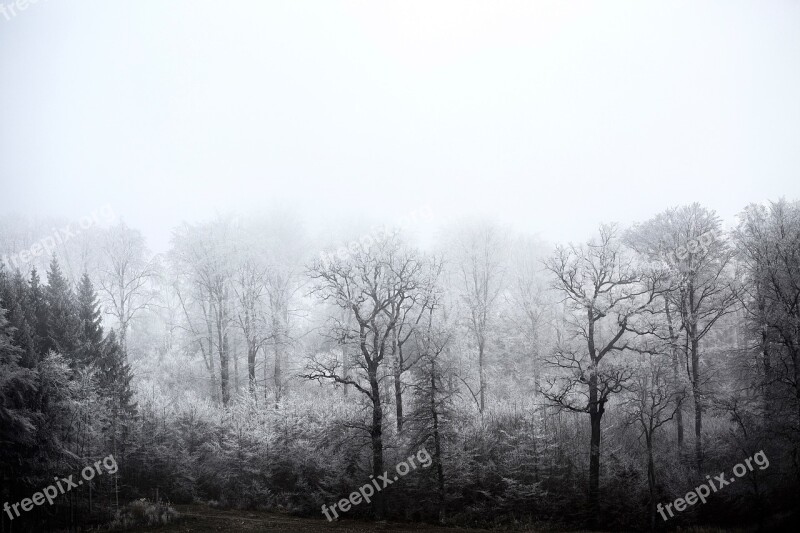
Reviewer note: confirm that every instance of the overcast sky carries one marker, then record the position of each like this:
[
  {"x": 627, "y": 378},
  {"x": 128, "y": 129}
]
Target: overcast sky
[{"x": 550, "y": 116}]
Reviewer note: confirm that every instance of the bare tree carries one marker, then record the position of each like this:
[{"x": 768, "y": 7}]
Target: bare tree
[
  {"x": 250, "y": 289},
  {"x": 768, "y": 242},
  {"x": 204, "y": 253},
  {"x": 279, "y": 236},
  {"x": 198, "y": 325},
  {"x": 407, "y": 311},
  {"x": 280, "y": 289},
  {"x": 527, "y": 305},
  {"x": 607, "y": 302},
  {"x": 480, "y": 250},
  {"x": 701, "y": 286},
  {"x": 433, "y": 399},
  {"x": 368, "y": 283},
  {"x": 654, "y": 400},
  {"x": 125, "y": 274}
]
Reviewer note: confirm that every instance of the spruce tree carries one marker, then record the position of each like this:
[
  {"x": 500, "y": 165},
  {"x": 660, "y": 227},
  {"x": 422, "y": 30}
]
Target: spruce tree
[
  {"x": 17, "y": 429},
  {"x": 23, "y": 321},
  {"x": 62, "y": 316},
  {"x": 115, "y": 374},
  {"x": 115, "y": 384},
  {"x": 90, "y": 334},
  {"x": 5, "y": 287},
  {"x": 13, "y": 297},
  {"x": 38, "y": 308}
]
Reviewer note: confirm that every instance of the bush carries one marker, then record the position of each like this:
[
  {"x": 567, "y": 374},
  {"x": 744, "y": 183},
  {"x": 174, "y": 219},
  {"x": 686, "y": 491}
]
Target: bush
[{"x": 144, "y": 513}]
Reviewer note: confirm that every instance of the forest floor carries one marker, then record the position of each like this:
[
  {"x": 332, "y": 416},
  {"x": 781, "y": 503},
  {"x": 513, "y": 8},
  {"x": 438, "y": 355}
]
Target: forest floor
[
  {"x": 204, "y": 519},
  {"x": 200, "y": 518}
]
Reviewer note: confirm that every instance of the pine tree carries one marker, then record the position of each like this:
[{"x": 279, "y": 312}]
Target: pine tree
[{"x": 62, "y": 316}]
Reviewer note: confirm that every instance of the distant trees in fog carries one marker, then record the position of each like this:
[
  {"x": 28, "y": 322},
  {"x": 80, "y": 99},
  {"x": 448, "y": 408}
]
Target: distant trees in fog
[{"x": 269, "y": 370}]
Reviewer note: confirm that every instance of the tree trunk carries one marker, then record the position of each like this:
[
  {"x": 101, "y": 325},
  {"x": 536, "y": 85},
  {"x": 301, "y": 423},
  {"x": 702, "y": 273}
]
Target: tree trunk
[
  {"x": 766, "y": 386},
  {"x": 651, "y": 480},
  {"x": 235, "y": 356},
  {"x": 679, "y": 421},
  {"x": 376, "y": 433},
  {"x": 224, "y": 365},
  {"x": 278, "y": 339},
  {"x": 212, "y": 367},
  {"x": 694, "y": 344},
  {"x": 481, "y": 376},
  {"x": 345, "y": 357},
  {"x": 676, "y": 373},
  {"x": 437, "y": 448},
  {"x": 596, "y": 410},
  {"x": 796, "y": 362},
  {"x": 698, "y": 403},
  {"x": 252, "y": 351},
  {"x": 123, "y": 321},
  {"x": 398, "y": 385}
]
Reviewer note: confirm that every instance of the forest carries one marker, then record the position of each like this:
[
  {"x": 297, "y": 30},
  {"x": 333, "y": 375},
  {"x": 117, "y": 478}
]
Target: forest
[{"x": 256, "y": 365}]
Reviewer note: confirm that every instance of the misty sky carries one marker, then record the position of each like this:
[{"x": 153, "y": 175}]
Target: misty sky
[{"x": 550, "y": 116}]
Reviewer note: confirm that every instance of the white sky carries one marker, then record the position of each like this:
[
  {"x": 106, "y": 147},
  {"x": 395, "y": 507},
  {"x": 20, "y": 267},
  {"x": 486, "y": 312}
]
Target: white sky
[{"x": 551, "y": 116}]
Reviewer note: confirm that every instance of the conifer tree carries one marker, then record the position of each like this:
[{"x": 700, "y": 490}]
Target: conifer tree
[
  {"x": 13, "y": 294},
  {"x": 90, "y": 333},
  {"x": 22, "y": 319},
  {"x": 17, "y": 430},
  {"x": 38, "y": 310},
  {"x": 115, "y": 384},
  {"x": 62, "y": 317},
  {"x": 115, "y": 375}
]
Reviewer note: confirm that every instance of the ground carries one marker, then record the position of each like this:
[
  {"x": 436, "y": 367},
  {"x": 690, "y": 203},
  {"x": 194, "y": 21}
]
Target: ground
[
  {"x": 198, "y": 518},
  {"x": 203, "y": 519}
]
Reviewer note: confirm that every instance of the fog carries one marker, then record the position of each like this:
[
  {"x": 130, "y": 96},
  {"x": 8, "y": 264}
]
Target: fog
[
  {"x": 550, "y": 116},
  {"x": 440, "y": 266}
]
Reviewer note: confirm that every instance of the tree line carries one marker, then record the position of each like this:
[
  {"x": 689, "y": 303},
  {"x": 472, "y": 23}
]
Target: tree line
[{"x": 570, "y": 385}]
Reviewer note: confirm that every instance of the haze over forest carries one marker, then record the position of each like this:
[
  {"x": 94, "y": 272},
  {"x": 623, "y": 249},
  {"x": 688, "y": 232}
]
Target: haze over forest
[{"x": 257, "y": 256}]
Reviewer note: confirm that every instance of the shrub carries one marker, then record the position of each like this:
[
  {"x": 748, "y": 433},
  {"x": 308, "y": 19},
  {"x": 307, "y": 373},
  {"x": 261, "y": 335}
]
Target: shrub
[{"x": 144, "y": 513}]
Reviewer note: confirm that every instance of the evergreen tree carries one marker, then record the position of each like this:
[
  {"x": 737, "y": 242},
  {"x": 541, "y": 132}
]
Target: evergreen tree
[
  {"x": 62, "y": 316},
  {"x": 22, "y": 319},
  {"x": 13, "y": 295},
  {"x": 115, "y": 375},
  {"x": 15, "y": 383},
  {"x": 90, "y": 334},
  {"x": 5, "y": 289},
  {"x": 38, "y": 309},
  {"x": 17, "y": 429}
]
